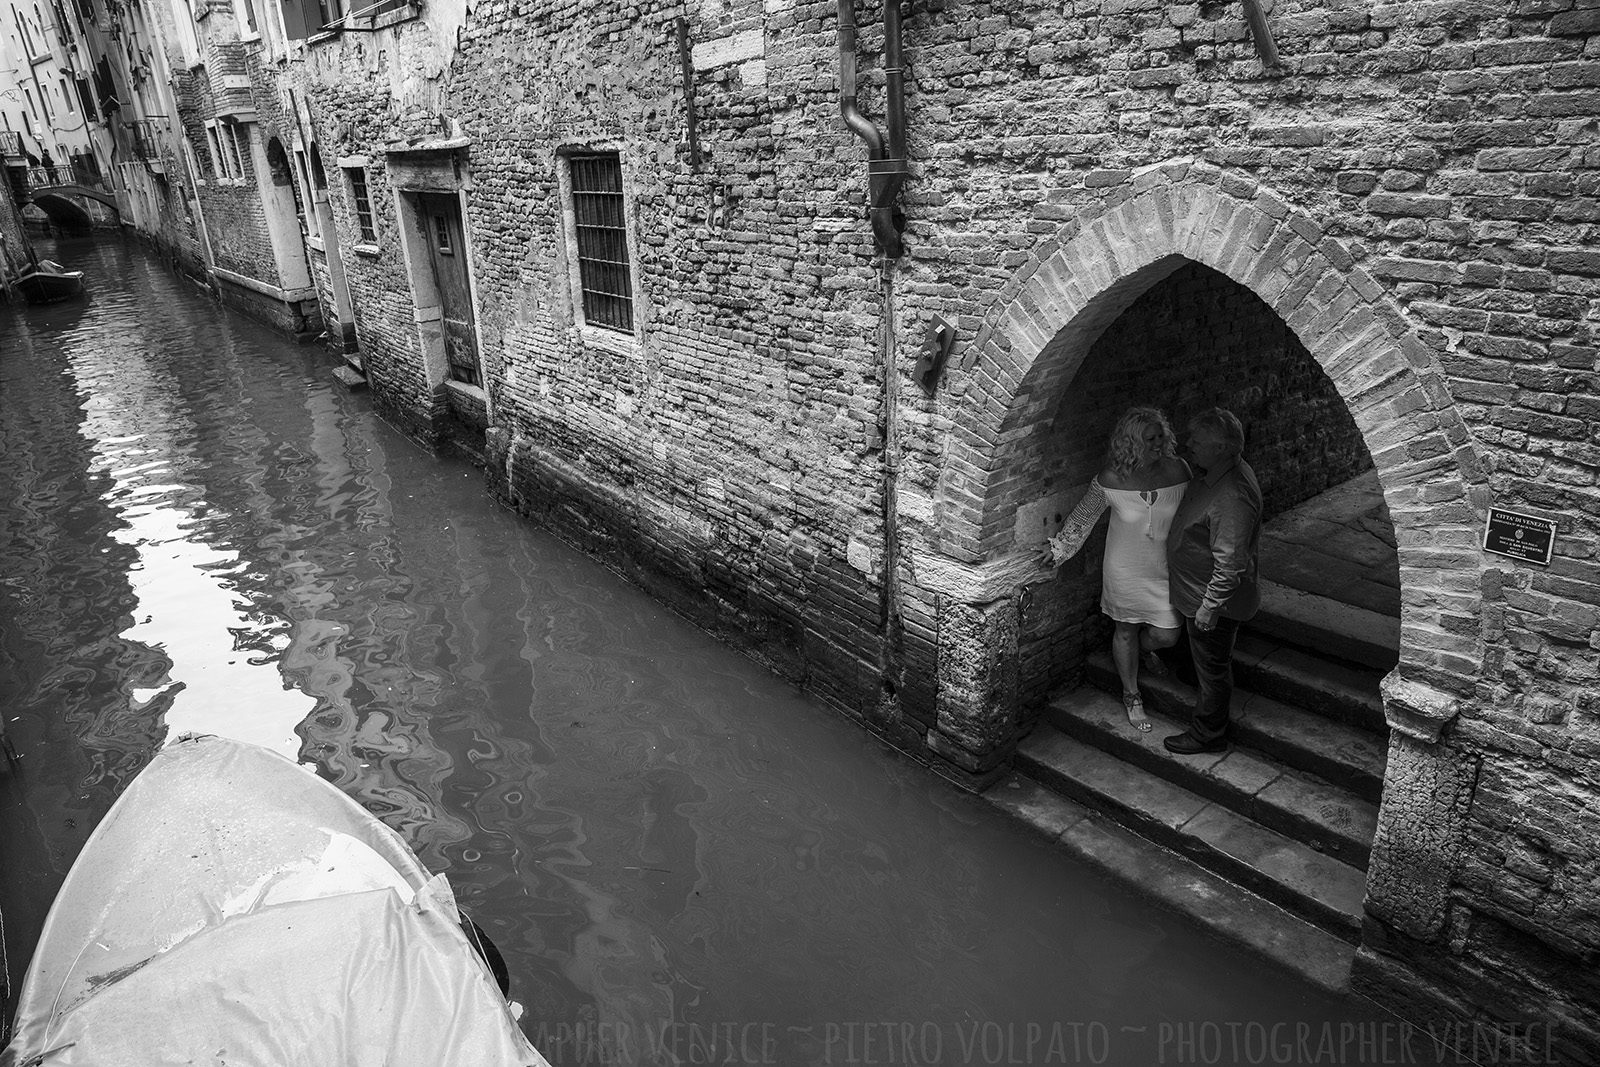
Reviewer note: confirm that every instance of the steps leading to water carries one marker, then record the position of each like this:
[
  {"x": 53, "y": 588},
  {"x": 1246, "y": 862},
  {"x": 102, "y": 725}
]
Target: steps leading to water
[
  {"x": 1289, "y": 735},
  {"x": 1279, "y": 828},
  {"x": 1328, "y": 818},
  {"x": 350, "y": 378},
  {"x": 1179, "y": 884},
  {"x": 1315, "y": 887}
]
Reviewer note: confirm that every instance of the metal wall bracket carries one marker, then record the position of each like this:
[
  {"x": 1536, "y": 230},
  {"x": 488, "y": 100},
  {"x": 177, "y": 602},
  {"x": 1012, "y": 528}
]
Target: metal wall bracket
[{"x": 936, "y": 346}]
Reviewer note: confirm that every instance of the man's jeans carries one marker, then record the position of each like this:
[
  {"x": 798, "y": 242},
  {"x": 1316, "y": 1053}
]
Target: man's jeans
[{"x": 1213, "y": 668}]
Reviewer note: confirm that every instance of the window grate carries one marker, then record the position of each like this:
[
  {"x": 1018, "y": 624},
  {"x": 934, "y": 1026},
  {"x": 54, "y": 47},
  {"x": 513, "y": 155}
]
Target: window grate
[
  {"x": 363, "y": 205},
  {"x": 603, "y": 272}
]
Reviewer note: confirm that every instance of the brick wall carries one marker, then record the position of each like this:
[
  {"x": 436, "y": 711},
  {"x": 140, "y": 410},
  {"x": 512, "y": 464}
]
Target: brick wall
[
  {"x": 235, "y": 218},
  {"x": 356, "y": 116},
  {"x": 1431, "y": 167},
  {"x": 11, "y": 226}
]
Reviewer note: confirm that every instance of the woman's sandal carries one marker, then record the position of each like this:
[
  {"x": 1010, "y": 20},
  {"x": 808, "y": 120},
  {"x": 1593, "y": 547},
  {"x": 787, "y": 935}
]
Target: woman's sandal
[{"x": 1136, "y": 717}]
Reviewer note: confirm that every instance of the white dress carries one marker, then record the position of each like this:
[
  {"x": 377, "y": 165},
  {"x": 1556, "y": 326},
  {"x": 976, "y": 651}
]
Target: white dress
[{"x": 1134, "y": 572}]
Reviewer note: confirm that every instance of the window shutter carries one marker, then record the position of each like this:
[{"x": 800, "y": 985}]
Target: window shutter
[{"x": 301, "y": 19}]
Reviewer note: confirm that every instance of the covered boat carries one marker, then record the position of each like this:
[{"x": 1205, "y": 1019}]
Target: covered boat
[{"x": 233, "y": 908}]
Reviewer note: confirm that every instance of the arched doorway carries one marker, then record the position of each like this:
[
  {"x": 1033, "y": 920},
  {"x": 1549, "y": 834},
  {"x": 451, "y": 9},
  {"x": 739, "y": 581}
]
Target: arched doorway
[
  {"x": 1021, "y": 428},
  {"x": 281, "y": 213},
  {"x": 1193, "y": 340}
]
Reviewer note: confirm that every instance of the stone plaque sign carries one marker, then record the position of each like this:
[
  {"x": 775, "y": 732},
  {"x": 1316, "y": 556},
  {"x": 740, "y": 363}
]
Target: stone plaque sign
[{"x": 1511, "y": 533}]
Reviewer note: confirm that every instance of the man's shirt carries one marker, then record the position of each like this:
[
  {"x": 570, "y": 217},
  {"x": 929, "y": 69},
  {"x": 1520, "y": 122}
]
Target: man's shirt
[{"x": 1211, "y": 548}]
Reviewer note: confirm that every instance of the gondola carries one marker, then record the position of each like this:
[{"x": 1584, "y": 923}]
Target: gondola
[{"x": 234, "y": 908}]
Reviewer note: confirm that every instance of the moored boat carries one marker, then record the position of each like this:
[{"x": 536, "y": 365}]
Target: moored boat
[
  {"x": 46, "y": 282},
  {"x": 234, "y": 908}
]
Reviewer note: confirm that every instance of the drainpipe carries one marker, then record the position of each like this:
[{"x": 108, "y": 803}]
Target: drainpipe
[
  {"x": 890, "y": 608},
  {"x": 886, "y": 166},
  {"x": 886, "y": 173},
  {"x": 894, "y": 166},
  {"x": 1261, "y": 33}
]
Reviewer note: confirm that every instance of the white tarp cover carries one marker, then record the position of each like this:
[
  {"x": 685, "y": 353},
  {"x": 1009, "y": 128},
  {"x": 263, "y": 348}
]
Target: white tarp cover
[{"x": 234, "y": 909}]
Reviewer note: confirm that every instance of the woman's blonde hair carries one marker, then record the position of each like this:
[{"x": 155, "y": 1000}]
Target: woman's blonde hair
[{"x": 1127, "y": 438}]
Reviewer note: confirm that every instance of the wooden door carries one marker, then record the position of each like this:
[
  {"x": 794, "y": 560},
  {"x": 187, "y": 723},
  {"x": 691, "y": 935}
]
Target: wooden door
[{"x": 447, "y": 251}]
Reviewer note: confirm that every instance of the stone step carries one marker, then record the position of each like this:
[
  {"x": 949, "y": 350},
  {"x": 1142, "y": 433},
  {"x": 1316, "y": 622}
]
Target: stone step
[
  {"x": 1338, "y": 753},
  {"x": 1341, "y": 691},
  {"x": 1328, "y": 626},
  {"x": 1325, "y": 567},
  {"x": 1339, "y": 544},
  {"x": 1317, "y": 888},
  {"x": 1179, "y": 884},
  {"x": 1330, "y": 819},
  {"x": 352, "y": 380}
]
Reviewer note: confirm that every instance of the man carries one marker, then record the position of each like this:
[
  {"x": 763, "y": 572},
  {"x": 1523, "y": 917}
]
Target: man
[{"x": 1211, "y": 568}]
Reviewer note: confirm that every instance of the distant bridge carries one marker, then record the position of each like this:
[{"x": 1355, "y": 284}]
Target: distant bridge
[{"x": 59, "y": 192}]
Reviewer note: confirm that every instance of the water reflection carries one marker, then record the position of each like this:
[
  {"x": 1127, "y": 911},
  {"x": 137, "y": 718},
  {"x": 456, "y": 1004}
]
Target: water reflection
[{"x": 202, "y": 533}]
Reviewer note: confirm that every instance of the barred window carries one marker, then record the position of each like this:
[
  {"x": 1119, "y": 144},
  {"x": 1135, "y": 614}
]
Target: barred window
[
  {"x": 236, "y": 138},
  {"x": 219, "y": 162},
  {"x": 363, "y": 205},
  {"x": 602, "y": 238}
]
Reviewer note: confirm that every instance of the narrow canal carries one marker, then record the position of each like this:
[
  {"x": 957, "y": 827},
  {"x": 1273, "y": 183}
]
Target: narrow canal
[{"x": 682, "y": 858}]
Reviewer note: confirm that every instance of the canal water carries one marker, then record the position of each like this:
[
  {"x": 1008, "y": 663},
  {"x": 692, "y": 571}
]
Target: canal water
[{"x": 683, "y": 859}]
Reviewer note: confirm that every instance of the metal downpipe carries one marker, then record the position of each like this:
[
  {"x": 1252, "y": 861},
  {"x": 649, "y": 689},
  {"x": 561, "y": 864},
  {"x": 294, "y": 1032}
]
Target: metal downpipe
[{"x": 886, "y": 167}]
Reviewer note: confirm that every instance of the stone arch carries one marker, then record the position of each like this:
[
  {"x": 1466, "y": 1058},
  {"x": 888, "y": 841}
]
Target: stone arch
[
  {"x": 1044, "y": 321},
  {"x": 63, "y": 211}
]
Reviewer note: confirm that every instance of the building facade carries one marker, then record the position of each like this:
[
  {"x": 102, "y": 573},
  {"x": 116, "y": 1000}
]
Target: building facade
[
  {"x": 69, "y": 68},
  {"x": 816, "y": 330},
  {"x": 47, "y": 105},
  {"x": 683, "y": 343}
]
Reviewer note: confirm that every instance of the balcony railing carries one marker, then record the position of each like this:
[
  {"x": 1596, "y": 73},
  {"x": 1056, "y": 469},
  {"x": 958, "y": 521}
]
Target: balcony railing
[
  {"x": 144, "y": 142},
  {"x": 79, "y": 175},
  {"x": 38, "y": 176}
]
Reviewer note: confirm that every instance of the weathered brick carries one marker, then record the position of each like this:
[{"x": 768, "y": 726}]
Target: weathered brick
[
  {"x": 1415, "y": 270},
  {"x": 1413, "y": 206},
  {"x": 1574, "y": 261},
  {"x": 1579, "y": 23},
  {"x": 1306, "y": 136},
  {"x": 1358, "y": 183},
  {"x": 1523, "y": 158},
  {"x": 1556, "y": 104}
]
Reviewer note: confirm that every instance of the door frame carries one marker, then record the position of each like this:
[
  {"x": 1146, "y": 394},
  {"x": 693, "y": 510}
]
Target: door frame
[
  {"x": 428, "y": 206},
  {"x": 440, "y": 169}
]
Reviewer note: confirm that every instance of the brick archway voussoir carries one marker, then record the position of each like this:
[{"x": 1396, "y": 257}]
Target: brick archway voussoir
[{"x": 1084, "y": 275}]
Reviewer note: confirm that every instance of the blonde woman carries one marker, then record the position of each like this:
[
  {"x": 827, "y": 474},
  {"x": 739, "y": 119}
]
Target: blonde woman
[{"x": 1142, "y": 485}]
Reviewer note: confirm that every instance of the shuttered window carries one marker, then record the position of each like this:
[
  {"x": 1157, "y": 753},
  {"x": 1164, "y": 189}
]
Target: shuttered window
[{"x": 602, "y": 239}]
